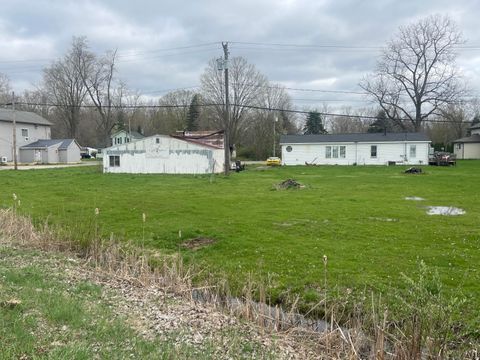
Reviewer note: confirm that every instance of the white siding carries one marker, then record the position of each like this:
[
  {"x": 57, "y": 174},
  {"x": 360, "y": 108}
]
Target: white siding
[
  {"x": 467, "y": 150},
  {"x": 356, "y": 153},
  {"x": 35, "y": 132},
  {"x": 167, "y": 156}
]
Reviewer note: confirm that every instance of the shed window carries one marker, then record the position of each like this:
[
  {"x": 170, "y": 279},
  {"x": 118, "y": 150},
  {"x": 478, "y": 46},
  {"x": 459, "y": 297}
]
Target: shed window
[
  {"x": 24, "y": 132},
  {"x": 373, "y": 151},
  {"x": 459, "y": 146},
  {"x": 114, "y": 160},
  {"x": 413, "y": 151},
  {"x": 157, "y": 140}
]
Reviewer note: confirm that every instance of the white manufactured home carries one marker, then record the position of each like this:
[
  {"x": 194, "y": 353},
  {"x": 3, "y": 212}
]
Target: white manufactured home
[
  {"x": 355, "y": 149},
  {"x": 163, "y": 154}
]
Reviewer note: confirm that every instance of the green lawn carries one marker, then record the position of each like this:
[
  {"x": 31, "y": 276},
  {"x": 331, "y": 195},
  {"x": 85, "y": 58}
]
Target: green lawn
[{"x": 357, "y": 216}]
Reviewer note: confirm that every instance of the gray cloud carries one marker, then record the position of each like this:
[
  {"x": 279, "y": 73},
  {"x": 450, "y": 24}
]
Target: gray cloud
[{"x": 32, "y": 33}]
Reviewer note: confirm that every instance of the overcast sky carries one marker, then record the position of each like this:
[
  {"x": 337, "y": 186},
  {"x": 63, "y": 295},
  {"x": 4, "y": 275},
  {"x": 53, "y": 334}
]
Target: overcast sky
[{"x": 166, "y": 44}]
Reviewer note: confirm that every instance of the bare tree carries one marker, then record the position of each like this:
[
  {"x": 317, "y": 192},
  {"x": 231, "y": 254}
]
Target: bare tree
[
  {"x": 102, "y": 89},
  {"x": 264, "y": 126},
  {"x": 350, "y": 122},
  {"x": 246, "y": 87},
  {"x": 5, "y": 89},
  {"x": 416, "y": 75},
  {"x": 63, "y": 85}
]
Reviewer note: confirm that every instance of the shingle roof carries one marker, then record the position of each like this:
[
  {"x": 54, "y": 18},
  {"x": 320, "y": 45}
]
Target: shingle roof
[
  {"x": 25, "y": 117},
  {"x": 42, "y": 144},
  {"x": 363, "y": 137},
  {"x": 469, "y": 139}
]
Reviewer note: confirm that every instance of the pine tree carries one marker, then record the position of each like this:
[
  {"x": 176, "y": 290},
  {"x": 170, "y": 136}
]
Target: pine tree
[
  {"x": 314, "y": 124},
  {"x": 193, "y": 113}
]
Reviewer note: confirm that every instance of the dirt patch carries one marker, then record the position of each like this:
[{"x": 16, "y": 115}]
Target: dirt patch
[
  {"x": 198, "y": 243},
  {"x": 289, "y": 184},
  {"x": 445, "y": 210},
  {"x": 413, "y": 170}
]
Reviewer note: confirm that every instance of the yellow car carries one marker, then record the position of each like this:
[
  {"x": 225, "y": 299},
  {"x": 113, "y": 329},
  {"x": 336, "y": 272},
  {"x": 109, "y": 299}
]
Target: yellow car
[{"x": 274, "y": 161}]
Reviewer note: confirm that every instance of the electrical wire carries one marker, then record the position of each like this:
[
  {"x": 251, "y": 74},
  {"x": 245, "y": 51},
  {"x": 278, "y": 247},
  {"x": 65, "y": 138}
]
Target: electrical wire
[{"x": 253, "y": 107}]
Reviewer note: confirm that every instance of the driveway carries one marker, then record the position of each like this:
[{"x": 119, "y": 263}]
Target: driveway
[{"x": 55, "y": 166}]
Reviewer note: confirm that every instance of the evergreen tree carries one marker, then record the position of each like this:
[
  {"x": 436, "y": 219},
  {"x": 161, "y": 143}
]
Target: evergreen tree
[
  {"x": 314, "y": 124},
  {"x": 193, "y": 113},
  {"x": 380, "y": 124}
]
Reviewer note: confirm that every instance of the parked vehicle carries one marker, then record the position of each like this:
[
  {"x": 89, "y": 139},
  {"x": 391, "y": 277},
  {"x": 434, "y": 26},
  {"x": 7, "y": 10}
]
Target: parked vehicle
[
  {"x": 442, "y": 158},
  {"x": 237, "y": 166},
  {"x": 274, "y": 161}
]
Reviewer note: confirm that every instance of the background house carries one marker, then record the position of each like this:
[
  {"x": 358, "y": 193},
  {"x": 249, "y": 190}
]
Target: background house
[
  {"x": 360, "y": 149},
  {"x": 51, "y": 151},
  {"x": 468, "y": 147},
  {"x": 123, "y": 137},
  {"x": 30, "y": 127},
  {"x": 177, "y": 154}
]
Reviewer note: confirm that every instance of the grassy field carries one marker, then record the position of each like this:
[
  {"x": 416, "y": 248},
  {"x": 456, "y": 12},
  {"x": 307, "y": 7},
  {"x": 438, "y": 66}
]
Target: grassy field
[{"x": 357, "y": 216}]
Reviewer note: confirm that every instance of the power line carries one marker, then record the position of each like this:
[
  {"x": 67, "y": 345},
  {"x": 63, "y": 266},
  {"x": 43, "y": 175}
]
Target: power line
[
  {"x": 307, "y": 46},
  {"x": 253, "y": 107},
  {"x": 321, "y": 46},
  {"x": 168, "y": 49}
]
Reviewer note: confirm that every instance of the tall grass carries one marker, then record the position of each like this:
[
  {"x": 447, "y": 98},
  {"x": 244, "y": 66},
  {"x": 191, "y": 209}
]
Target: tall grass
[{"x": 422, "y": 323}]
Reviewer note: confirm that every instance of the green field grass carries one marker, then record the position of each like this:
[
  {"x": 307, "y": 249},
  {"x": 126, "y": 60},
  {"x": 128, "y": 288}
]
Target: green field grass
[{"x": 357, "y": 216}]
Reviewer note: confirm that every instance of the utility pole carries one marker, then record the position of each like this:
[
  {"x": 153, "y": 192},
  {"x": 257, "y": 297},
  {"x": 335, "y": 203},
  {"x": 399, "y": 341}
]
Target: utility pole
[
  {"x": 14, "y": 132},
  {"x": 227, "y": 111},
  {"x": 275, "y": 120}
]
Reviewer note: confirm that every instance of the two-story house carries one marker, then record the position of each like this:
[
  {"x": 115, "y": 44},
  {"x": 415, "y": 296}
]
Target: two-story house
[
  {"x": 30, "y": 127},
  {"x": 124, "y": 137}
]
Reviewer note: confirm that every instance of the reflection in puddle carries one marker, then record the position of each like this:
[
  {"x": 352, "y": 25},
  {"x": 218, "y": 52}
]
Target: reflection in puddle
[
  {"x": 414, "y": 198},
  {"x": 445, "y": 210}
]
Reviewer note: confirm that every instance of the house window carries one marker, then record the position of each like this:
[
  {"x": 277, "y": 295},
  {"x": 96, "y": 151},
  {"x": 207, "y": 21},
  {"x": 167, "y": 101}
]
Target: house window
[
  {"x": 114, "y": 160},
  {"x": 24, "y": 132},
  {"x": 157, "y": 140},
  {"x": 328, "y": 152},
  {"x": 373, "y": 151},
  {"x": 335, "y": 152},
  {"x": 413, "y": 151},
  {"x": 288, "y": 148}
]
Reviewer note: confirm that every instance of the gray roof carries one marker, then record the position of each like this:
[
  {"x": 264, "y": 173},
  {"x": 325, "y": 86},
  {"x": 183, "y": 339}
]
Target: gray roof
[
  {"x": 42, "y": 144},
  {"x": 363, "y": 137},
  {"x": 25, "y": 117},
  {"x": 470, "y": 139}
]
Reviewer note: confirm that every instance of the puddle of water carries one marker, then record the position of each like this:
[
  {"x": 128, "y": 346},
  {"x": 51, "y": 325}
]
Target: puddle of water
[
  {"x": 285, "y": 319},
  {"x": 414, "y": 198},
  {"x": 444, "y": 210}
]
